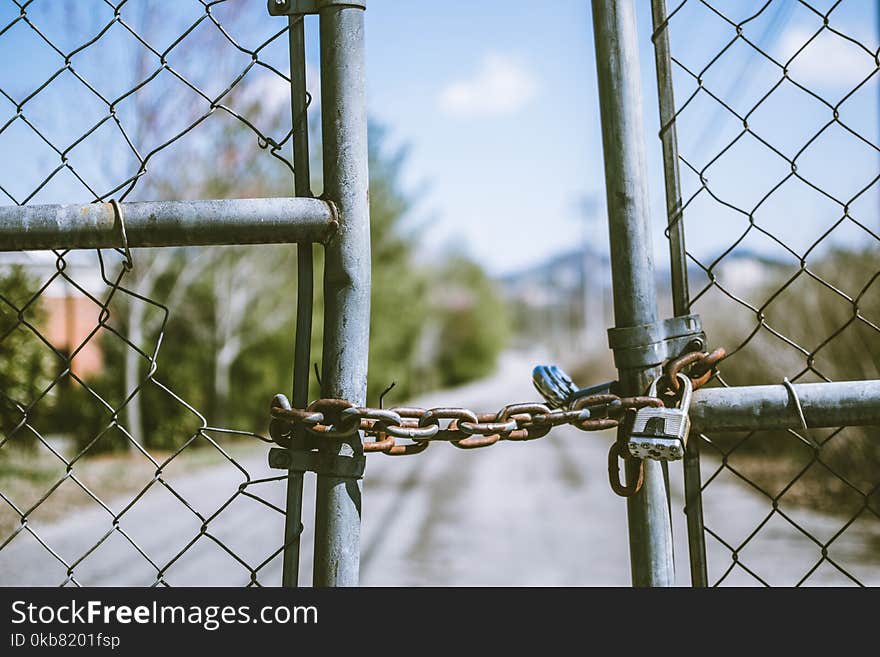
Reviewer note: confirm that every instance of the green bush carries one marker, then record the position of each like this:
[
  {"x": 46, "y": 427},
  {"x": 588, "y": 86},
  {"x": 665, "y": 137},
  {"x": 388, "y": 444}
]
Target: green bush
[
  {"x": 27, "y": 365},
  {"x": 472, "y": 319}
]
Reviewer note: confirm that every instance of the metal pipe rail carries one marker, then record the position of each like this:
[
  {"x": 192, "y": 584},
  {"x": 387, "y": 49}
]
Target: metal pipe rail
[
  {"x": 749, "y": 408},
  {"x": 166, "y": 223}
]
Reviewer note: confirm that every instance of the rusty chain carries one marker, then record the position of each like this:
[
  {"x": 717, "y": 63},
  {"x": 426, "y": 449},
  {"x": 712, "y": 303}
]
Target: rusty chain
[
  {"x": 337, "y": 419},
  {"x": 702, "y": 368}
]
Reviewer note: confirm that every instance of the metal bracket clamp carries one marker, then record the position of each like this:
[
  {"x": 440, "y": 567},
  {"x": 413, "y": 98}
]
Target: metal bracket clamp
[
  {"x": 648, "y": 345},
  {"x": 322, "y": 463},
  {"x": 300, "y": 7}
]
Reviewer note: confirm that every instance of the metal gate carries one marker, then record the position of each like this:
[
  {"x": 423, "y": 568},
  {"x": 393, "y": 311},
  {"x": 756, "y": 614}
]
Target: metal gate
[
  {"x": 753, "y": 60},
  {"x": 327, "y": 437}
]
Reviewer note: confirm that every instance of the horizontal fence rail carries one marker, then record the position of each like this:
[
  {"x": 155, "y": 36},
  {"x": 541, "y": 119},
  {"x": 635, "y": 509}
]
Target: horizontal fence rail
[
  {"x": 166, "y": 223},
  {"x": 746, "y": 408}
]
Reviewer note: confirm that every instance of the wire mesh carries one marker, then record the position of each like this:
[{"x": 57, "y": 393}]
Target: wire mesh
[
  {"x": 104, "y": 447},
  {"x": 777, "y": 124}
]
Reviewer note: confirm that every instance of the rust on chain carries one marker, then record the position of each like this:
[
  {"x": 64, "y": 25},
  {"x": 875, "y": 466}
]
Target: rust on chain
[
  {"x": 477, "y": 441},
  {"x": 702, "y": 380},
  {"x": 641, "y": 401},
  {"x": 520, "y": 409},
  {"x": 703, "y": 367},
  {"x": 407, "y": 450},
  {"x": 532, "y": 420},
  {"x": 279, "y": 432},
  {"x": 676, "y": 365},
  {"x": 409, "y": 416},
  {"x": 410, "y": 428},
  {"x": 452, "y": 432},
  {"x": 616, "y": 454},
  {"x": 297, "y": 415},
  {"x": 598, "y": 424},
  {"x": 332, "y": 424},
  {"x": 488, "y": 428},
  {"x": 465, "y": 429},
  {"x": 330, "y": 407},
  {"x": 526, "y": 417},
  {"x": 558, "y": 417},
  {"x": 382, "y": 443},
  {"x": 595, "y": 401},
  {"x": 483, "y": 437},
  {"x": 338, "y": 419},
  {"x": 529, "y": 433}
]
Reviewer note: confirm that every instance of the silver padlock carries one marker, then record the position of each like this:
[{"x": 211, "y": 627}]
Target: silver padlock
[
  {"x": 554, "y": 385},
  {"x": 558, "y": 389},
  {"x": 661, "y": 433}
]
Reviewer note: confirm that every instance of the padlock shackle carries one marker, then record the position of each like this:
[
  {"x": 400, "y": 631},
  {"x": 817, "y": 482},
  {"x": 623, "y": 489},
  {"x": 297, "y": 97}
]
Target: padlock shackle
[
  {"x": 553, "y": 384},
  {"x": 687, "y": 389}
]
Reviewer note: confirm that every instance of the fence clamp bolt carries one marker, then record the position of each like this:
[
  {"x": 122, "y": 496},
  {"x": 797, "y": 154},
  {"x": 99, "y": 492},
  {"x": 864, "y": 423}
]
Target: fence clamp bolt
[
  {"x": 300, "y": 7},
  {"x": 648, "y": 345},
  {"x": 322, "y": 463}
]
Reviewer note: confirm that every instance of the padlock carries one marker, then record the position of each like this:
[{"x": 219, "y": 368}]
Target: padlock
[
  {"x": 661, "y": 433},
  {"x": 558, "y": 389},
  {"x": 554, "y": 385}
]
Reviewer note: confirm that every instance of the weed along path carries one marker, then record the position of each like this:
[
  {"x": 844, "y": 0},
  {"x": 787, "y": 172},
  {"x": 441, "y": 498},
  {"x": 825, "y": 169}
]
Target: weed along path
[{"x": 534, "y": 513}]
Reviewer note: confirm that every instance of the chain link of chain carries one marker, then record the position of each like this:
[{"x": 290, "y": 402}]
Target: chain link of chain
[
  {"x": 464, "y": 428},
  {"x": 336, "y": 419}
]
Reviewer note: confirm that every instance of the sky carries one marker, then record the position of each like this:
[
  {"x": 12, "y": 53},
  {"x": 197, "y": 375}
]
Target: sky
[
  {"x": 496, "y": 101},
  {"x": 496, "y": 104}
]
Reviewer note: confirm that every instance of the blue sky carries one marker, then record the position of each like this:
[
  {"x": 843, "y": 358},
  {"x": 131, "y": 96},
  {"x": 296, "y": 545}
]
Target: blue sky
[{"x": 496, "y": 101}]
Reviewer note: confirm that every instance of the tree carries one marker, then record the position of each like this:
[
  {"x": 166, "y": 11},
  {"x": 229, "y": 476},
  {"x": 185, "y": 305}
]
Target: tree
[
  {"x": 154, "y": 107},
  {"x": 473, "y": 321},
  {"x": 220, "y": 320},
  {"x": 398, "y": 295},
  {"x": 26, "y": 364}
]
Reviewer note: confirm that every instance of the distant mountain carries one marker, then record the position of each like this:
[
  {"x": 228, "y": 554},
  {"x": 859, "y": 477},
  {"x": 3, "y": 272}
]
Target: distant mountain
[
  {"x": 565, "y": 302},
  {"x": 561, "y": 274}
]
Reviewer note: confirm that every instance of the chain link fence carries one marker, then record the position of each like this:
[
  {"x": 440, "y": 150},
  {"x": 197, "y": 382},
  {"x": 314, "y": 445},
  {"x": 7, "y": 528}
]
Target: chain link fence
[
  {"x": 123, "y": 373},
  {"x": 775, "y": 186},
  {"x": 104, "y": 406}
]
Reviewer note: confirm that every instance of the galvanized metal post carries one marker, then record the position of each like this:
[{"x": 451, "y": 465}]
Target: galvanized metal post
[
  {"x": 632, "y": 264},
  {"x": 304, "y": 291},
  {"x": 346, "y": 280},
  {"x": 678, "y": 267}
]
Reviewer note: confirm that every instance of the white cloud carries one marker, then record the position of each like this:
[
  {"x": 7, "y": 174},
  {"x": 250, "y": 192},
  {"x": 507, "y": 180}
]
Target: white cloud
[
  {"x": 501, "y": 85},
  {"x": 828, "y": 61}
]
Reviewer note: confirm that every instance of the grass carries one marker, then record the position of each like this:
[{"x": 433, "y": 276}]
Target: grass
[{"x": 27, "y": 475}]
